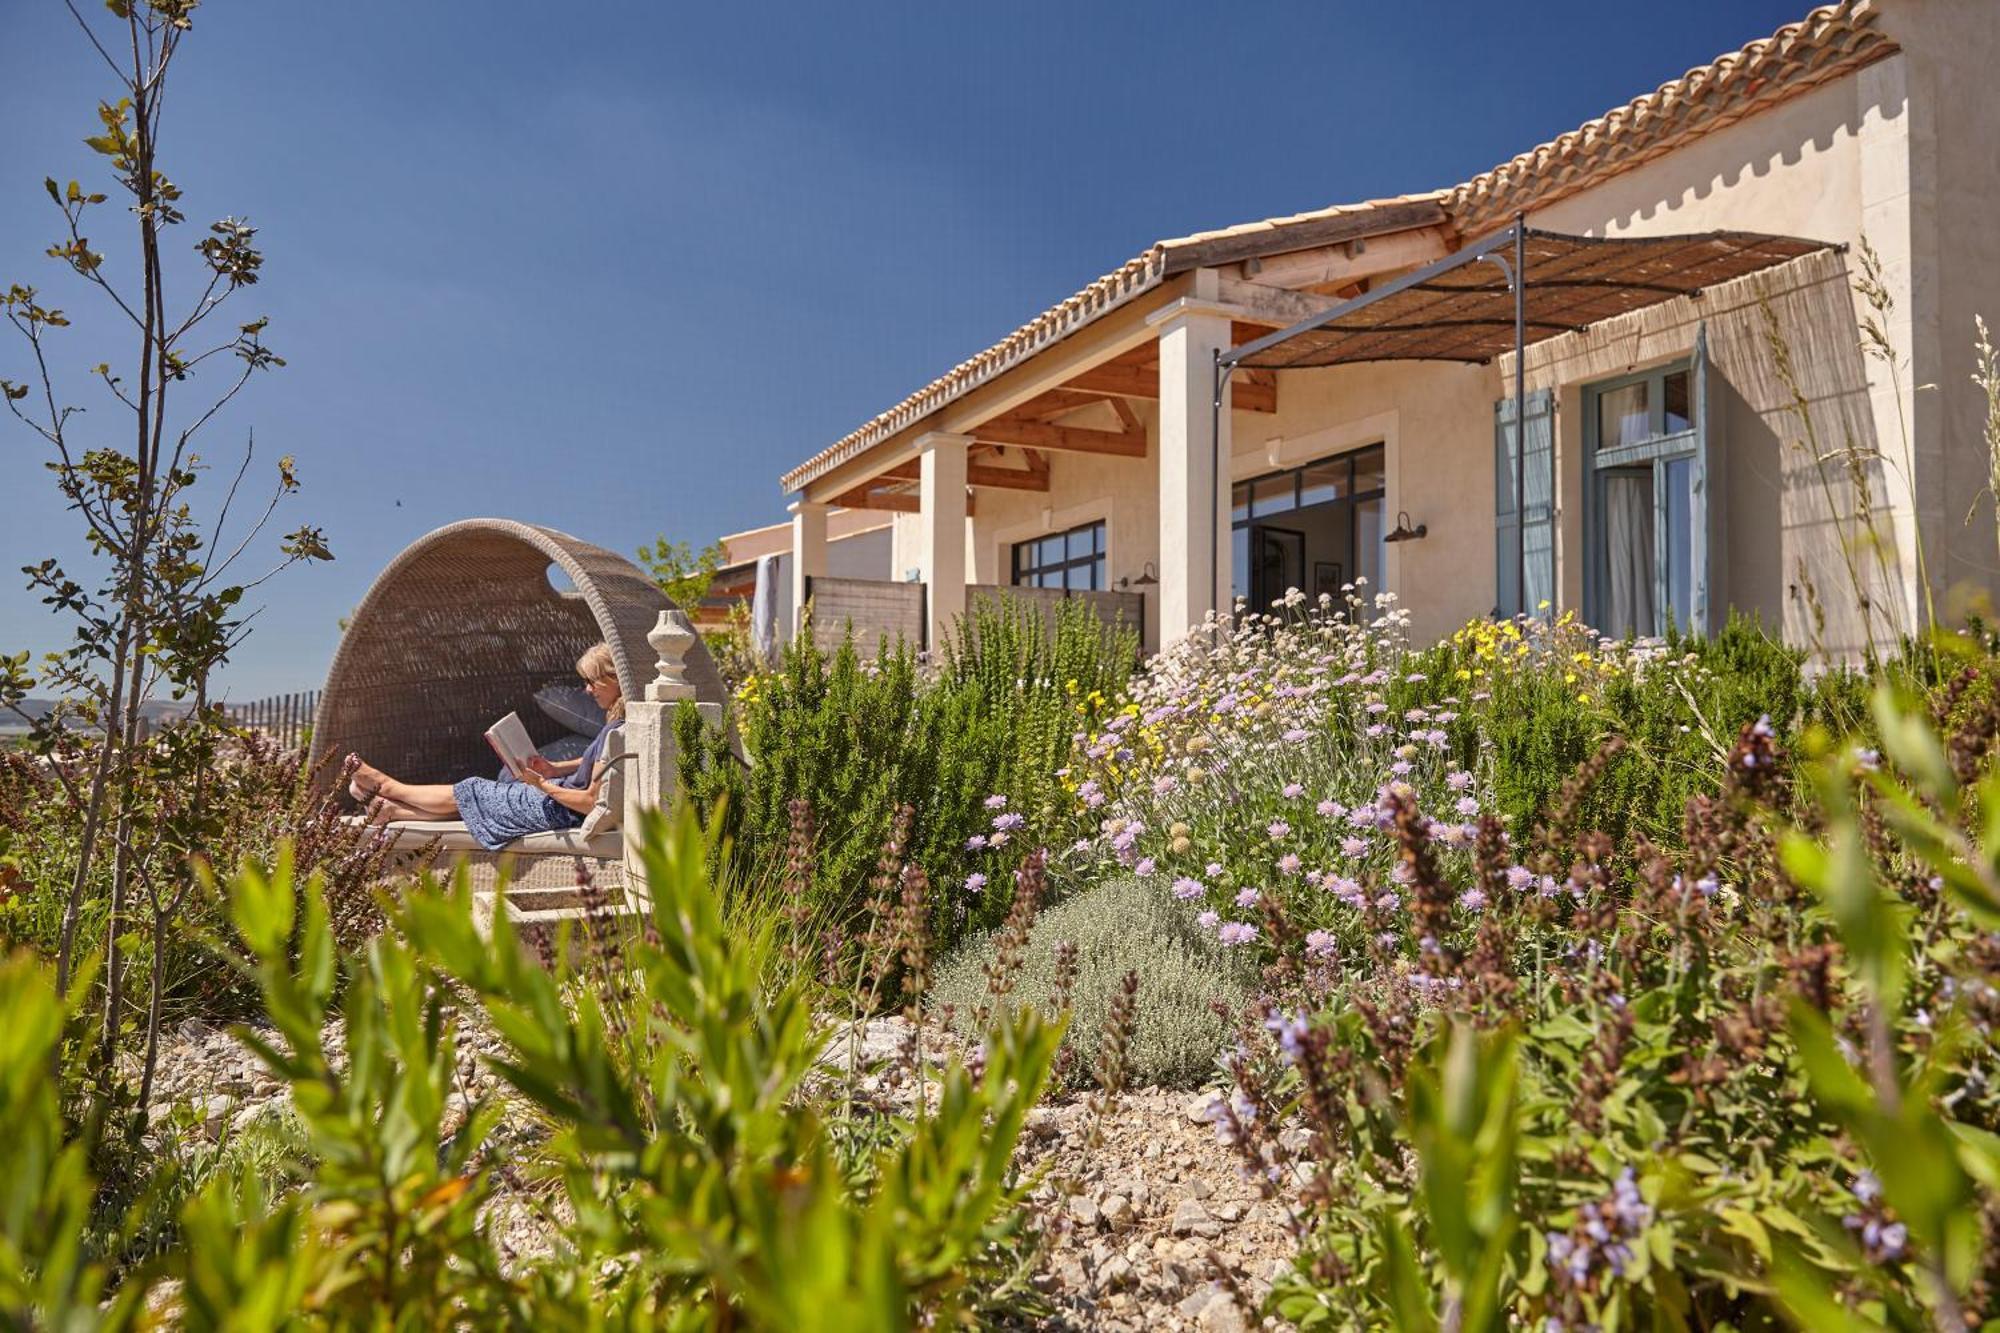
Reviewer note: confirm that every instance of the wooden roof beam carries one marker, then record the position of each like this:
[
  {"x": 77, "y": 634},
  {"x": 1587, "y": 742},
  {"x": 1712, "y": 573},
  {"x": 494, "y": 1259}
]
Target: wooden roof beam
[
  {"x": 1327, "y": 268},
  {"x": 980, "y": 474},
  {"x": 1061, "y": 439},
  {"x": 1256, "y": 391}
]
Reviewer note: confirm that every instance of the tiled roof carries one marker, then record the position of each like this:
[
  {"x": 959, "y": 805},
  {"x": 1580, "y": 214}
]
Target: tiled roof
[{"x": 1832, "y": 40}]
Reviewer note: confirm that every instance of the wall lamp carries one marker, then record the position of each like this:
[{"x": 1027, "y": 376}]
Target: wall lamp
[
  {"x": 1147, "y": 578},
  {"x": 1404, "y": 532}
]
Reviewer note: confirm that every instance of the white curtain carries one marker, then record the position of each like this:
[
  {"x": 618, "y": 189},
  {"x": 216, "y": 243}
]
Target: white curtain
[
  {"x": 764, "y": 608},
  {"x": 1628, "y": 540}
]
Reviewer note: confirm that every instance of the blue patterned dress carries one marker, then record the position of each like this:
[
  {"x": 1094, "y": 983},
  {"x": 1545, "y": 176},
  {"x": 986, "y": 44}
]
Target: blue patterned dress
[{"x": 496, "y": 813}]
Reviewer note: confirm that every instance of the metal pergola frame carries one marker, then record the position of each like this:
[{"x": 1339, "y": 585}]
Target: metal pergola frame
[{"x": 1491, "y": 248}]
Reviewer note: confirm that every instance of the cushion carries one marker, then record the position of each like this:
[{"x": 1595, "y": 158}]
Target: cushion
[
  {"x": 609, "y": 812},
  {"x": 451, "y": 835},
  {"x": 570, "y": 706}
]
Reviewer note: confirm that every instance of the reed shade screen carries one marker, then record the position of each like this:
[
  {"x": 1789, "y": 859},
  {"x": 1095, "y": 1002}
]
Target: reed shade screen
[
  {"x": 1467, "y": 313},
  {"x": 462, "y": 628}
]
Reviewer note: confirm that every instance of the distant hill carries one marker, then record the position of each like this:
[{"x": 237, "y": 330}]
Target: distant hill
[{"x": 11, "y": 724}]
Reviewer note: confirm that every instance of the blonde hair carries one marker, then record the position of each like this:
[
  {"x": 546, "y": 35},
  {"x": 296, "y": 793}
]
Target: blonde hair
[{"x": 597, "y": 664}]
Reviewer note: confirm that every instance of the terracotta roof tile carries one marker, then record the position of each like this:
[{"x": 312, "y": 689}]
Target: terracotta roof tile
[{"x": 1832, "y": 40}]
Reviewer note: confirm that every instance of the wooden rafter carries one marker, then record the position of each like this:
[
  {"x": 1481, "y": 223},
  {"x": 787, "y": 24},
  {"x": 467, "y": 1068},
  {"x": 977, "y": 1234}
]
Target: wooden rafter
[
  {"x": 979, "y": 474},
  {"x": 1256, "y": 392},
  {"x": 1328, "y": 268},
  {"x": 1062, "y": 439}
]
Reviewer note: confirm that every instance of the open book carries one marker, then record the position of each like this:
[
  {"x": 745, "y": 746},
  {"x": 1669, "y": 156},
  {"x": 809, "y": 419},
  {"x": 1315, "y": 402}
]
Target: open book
[{"x": 509, "y": 739}]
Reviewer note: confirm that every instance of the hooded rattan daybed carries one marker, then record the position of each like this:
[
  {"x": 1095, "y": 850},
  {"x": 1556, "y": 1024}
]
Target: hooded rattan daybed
[{"x": 462, "y": 628}]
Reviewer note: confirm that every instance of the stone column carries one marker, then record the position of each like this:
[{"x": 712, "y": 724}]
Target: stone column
[
  {"x": 1194, "y": 509},
  {"x": 808, "y": 553},
  {"x": 941, "y": 529},
  {"x": 649, "y": 736}
]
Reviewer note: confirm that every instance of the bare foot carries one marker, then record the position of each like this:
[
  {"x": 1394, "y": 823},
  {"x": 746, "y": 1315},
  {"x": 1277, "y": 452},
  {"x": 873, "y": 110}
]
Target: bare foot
[{"x": 367, "y": 783}]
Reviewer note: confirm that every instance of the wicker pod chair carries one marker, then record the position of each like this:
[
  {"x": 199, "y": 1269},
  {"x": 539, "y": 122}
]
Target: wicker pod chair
[{"x": 462, "y": 628}]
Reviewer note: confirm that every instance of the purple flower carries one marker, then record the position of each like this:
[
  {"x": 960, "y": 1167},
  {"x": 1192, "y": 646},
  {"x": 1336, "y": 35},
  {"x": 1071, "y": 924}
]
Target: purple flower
[
  {"x": 1472, "y": 899},
  {"x": 1145, "y": 867},
  {"x": 1247, "y": 897},
  {"x": 975, "y": 882},
  {"x": 975, "y": 843},
  {"x": 1208, "y": 919},
  {"x": 1008, "y": 821},
  {"x": 999, "y": 840},
  {"x": 1519, "y": 877},
  {"x": 1212, "y": 869},
  {"x": 1294, "y": 735},
  {"x": 1165, "y": 784},
  {"x": 1278, "y": 829},
  {"x": 1331, "y": 809},
  {"x": 1467, "y": 806},
  {"x": 1236, "y": 932},
  {"x": 996, "y": 803},
  {"x": 1320, "y": 944},
  {"x": 1290, "y": 1032},
  {"x": 1185, "y": 888},
  {"x": 1459, "y": 780},
  {"x": 1288, "y": 864},
  {"x": 1292, "y": 791}
]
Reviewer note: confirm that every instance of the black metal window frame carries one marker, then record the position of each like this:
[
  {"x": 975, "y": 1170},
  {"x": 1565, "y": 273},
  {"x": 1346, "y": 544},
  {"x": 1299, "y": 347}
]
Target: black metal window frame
[
  {"x": 1241, "y": 493},
  {"x": 1085, "y": 546}
]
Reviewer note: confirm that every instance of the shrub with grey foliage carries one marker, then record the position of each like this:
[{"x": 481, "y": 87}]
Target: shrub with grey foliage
[{"x": 1124, "y": 925}]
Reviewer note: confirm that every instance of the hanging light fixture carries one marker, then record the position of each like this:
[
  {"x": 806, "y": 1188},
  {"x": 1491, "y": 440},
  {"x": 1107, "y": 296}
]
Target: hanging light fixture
[
  {"x": 1403, "y": 531},
  {"x": 1147, "y": 578}
]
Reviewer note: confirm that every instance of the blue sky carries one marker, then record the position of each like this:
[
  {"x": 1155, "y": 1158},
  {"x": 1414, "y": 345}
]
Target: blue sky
[{"x": 615, "y": 266}]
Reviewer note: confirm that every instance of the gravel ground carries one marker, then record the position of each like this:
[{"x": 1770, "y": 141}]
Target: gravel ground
[{"x": 1149, "y": 1223}]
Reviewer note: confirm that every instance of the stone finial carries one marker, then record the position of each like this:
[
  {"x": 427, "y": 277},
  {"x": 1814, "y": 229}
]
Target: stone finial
[{"x": 671, "y": 639}]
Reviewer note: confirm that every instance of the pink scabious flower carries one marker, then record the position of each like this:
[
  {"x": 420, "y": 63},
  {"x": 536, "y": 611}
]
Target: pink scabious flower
[
  {"x": 1293, "y": 791},
  {"x": 1208, "y": 919},
  {"x": 1288, "y": 864},
  {"x": 1353, "y": 846},
  {"x": 1165, "y": 784},
  {"x": 1375, "y": 729},
  {"x": 1247, "y": 897},
  {"x": 1320, "y": 944},
  {"x": 1082, "y": 845},
  {"x": 1145, "y": 867},
  {"x": 976, "y": 843},
  {"x": 1008, "y": 821},
  {"x": 1236, "y": 932},
  {"x": 1331, "y": 809},
  {"x": 975, "y": 882},
  {"x": 1293, "y": 735},
  {"x": 1186, "y": 888},
  {"x": 1278, "y": 829},
  {"x": 1400, "y": 768},
  {"x": 1519, "y": 877},
  {"x": 1459, "y": 780},
  {"x": 1376, "y": 709},
  {"x": 1472, "y": 899},
  {"x": 1362, "y": 816},
  {"x": 996, "y": 802},
  {"x": 1212, "y": 869},
  {"x": 1467, "y": 806},
  {"x": 1388, "y": 902}
]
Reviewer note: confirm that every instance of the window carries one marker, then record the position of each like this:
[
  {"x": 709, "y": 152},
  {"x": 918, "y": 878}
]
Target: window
[
  {"x": 1646, "y": 502},
  {"x": 1073, "y": 559},
  {"x": 1328, "y": 529}
]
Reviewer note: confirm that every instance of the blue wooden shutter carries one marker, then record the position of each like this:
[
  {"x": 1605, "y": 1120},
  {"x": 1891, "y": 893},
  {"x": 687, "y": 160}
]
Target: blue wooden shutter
[
  {"x": 1706, "y": 542},
  {"x": 1537, "y": 523}
]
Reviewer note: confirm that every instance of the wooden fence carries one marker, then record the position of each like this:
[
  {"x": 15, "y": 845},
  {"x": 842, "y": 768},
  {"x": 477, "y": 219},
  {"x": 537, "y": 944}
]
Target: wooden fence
[
  {"x": 286, "y": 718},
  {"x": 1113, "y": 608},
  {"x": 874, "y": 607}
]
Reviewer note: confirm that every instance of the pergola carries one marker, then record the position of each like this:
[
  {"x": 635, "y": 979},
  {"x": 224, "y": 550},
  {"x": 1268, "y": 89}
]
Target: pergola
[{"x": 1503, "y": 293}]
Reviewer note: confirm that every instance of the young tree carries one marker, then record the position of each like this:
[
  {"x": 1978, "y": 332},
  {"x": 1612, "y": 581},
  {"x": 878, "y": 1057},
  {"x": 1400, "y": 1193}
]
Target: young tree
[
  {"x": 159, "y": 611},
  {"x": 682, "y": 572}
]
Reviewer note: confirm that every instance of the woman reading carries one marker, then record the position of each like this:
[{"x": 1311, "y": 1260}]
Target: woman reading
[{"x": 550, "y": 795}]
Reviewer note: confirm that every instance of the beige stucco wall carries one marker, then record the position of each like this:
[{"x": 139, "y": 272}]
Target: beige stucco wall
[{"x": 1905, "y": 153}]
